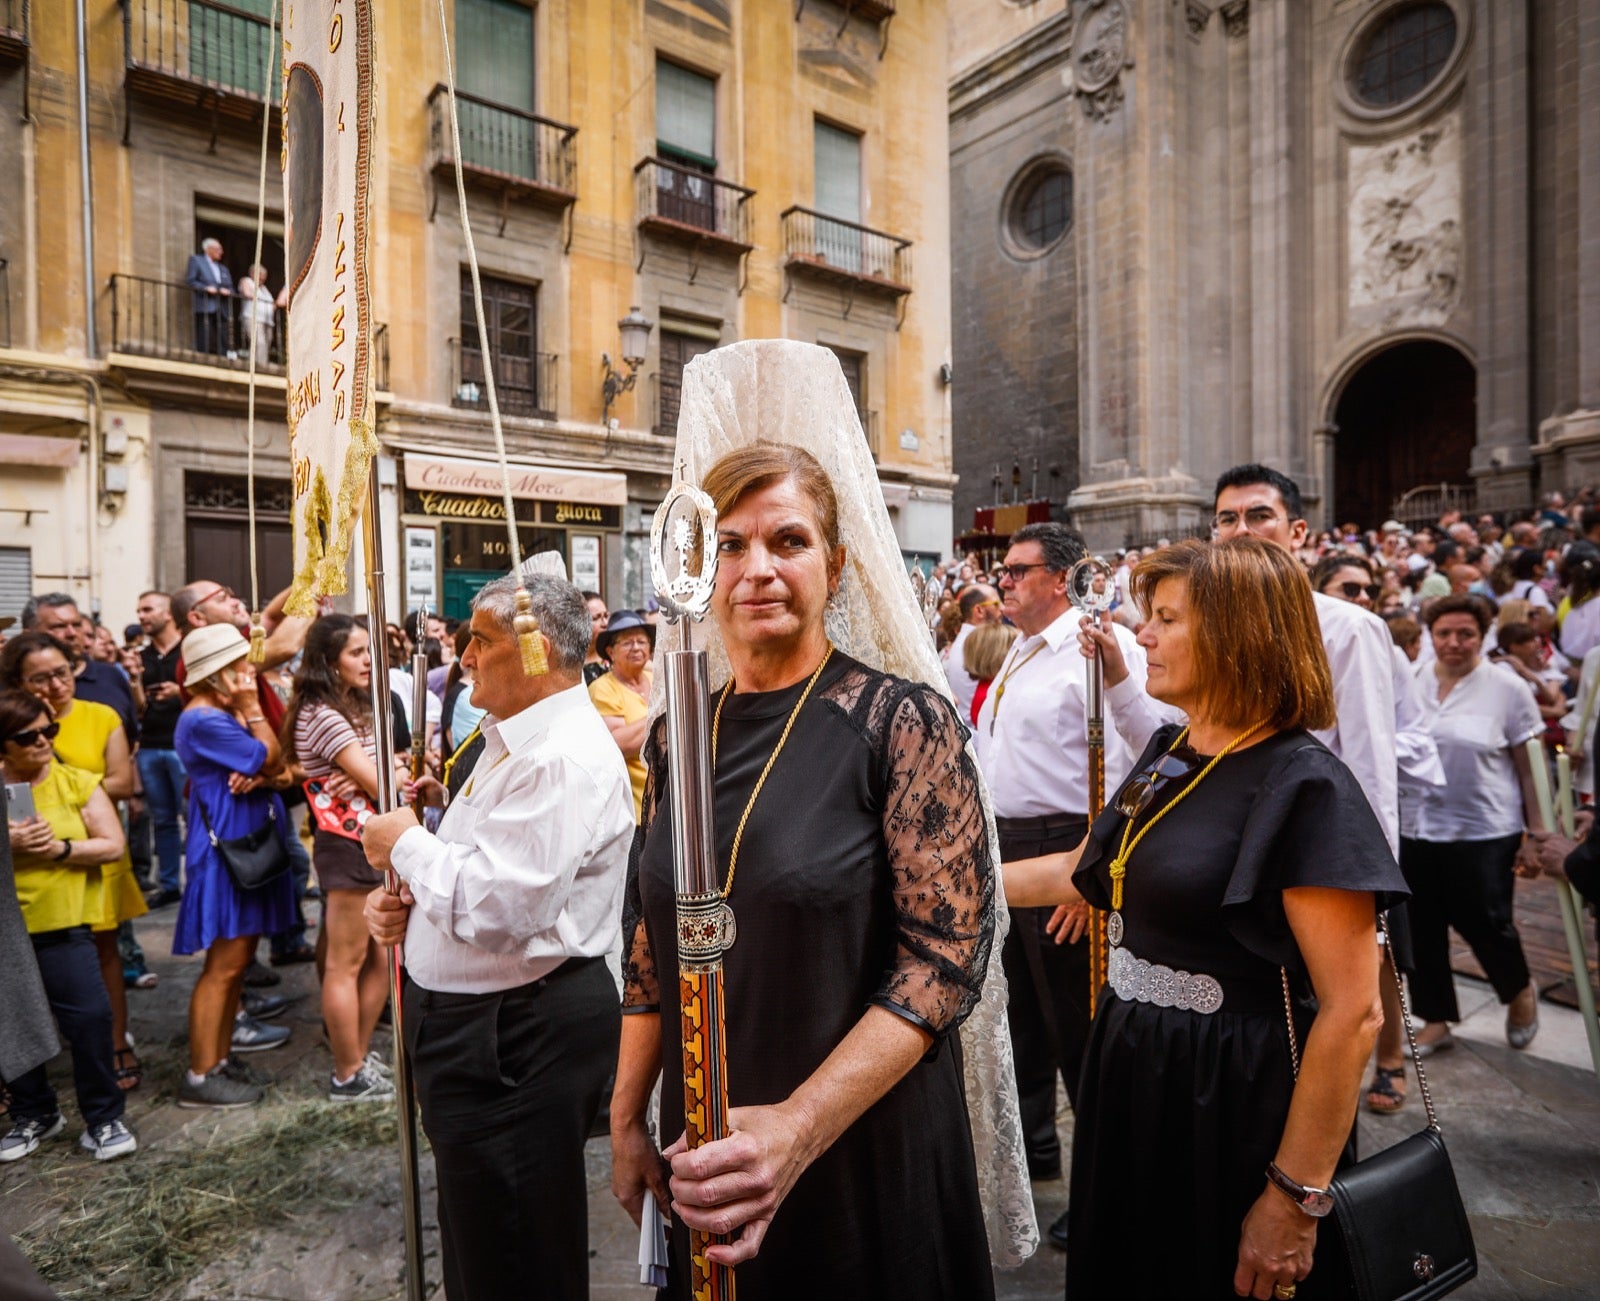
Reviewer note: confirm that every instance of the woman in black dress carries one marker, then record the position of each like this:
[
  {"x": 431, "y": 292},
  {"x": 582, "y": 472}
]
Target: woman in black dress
[
  {"x": 1251, "y": 866},
  {"x": 863, "y": 889}
]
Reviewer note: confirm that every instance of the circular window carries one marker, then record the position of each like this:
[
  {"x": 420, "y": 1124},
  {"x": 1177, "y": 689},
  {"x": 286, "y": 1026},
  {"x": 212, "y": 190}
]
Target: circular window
[
  {"x": 1041, "y": 211},
  {"x": 1403, "y": 54}
]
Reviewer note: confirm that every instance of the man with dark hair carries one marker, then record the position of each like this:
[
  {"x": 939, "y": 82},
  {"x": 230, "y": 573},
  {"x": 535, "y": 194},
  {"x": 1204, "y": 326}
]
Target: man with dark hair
[
  {"x": 1253, "y": 475},
  {"x": 57, "y": 614},
  {"x": 980, "y": 604},
  {"x": 160, "y": 770},
  {"x": 1032, "y": 746}
]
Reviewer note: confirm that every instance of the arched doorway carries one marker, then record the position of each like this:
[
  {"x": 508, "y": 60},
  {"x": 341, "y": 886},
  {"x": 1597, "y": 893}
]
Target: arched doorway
[{"x": 1406, "y": 418}]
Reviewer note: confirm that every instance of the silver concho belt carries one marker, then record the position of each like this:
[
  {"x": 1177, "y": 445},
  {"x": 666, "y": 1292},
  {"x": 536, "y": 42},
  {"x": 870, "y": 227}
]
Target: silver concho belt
[{"x": 1139, "y": 981}]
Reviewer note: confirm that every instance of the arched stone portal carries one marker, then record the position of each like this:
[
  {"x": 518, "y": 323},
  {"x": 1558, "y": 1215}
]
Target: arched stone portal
[{"x": 1407, "y": 417}]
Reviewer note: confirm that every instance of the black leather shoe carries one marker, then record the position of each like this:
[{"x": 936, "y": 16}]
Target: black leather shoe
[{"x": 1057, "y": 1232}]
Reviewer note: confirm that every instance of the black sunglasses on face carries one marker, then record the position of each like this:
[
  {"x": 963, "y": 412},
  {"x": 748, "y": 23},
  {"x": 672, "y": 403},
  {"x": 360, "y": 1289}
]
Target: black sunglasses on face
[
  {"x": 1137, "y": 794},
  {"x": 1016, "y": 573},
  {"x": 1353, "y": 590},
  {"x": 34, "y": 734}
]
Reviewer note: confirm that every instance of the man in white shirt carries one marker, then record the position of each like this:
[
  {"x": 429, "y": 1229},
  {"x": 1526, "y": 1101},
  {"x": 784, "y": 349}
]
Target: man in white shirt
[
  {"x": 980, "y": 604},
  {"x": 511, "y": 1017},
  {"x": 1032, "y": 745}
]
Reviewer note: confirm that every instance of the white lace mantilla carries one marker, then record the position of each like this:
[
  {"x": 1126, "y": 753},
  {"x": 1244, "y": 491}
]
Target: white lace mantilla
[{"x": 781, "y": 391}]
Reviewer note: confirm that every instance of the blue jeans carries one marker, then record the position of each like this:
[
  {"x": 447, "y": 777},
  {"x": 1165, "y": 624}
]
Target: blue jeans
[
  {"x": 163, "y": 776},
  {"x": 70, "y": 970},
  {"x": 300, "y": 868}
]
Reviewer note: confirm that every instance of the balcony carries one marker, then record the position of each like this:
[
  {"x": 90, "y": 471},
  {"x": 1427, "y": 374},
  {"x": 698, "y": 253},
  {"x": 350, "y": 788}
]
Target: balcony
[
  {"x": 520, "y": 154},
  {"x": 684, "y": 204},
  {"x": 525, "y": 386},
  {"x": 857, "y": 256},
  {"x": 156, "y": 319},
  {"x": 202, "y": 57},
  {"x": 13, "y": 31}
]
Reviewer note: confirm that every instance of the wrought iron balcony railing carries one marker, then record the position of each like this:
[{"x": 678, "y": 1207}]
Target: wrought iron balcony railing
[
  {"x": 681, "y": 202},
  {"x": 166, "y": 318},
  {"x": 847, "y": 250},
  {"x": 203, "y": 55},
  {"x": 13, "y": 31},
  {"x": 505, "y": 147},
  {"x": 525, "y": 385}
]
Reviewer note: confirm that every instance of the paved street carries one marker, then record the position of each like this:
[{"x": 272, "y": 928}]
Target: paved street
[{"x": 1521, "y": 1128}]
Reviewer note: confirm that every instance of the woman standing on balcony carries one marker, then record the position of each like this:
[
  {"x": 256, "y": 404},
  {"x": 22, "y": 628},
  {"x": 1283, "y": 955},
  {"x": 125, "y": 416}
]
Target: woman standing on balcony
[{"x": 261, "y": 311}]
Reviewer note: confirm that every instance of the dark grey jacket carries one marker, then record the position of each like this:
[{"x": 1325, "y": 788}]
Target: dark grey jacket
[{"x": 27, "y": 1030}]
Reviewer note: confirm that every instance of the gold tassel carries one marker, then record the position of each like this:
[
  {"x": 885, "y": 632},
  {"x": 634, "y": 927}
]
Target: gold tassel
[
  {"x": 258, "y": 641},
  {"x": 526, "y": 626}
]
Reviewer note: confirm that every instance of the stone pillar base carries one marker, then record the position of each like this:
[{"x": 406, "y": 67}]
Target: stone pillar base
[
  {"x": 1568, "y": 451},
  {"x": 1136, "y": 512}
]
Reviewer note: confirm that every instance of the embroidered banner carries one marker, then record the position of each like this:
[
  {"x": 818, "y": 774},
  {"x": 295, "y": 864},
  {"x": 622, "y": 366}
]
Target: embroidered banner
[{"x": 327, "y": 157}]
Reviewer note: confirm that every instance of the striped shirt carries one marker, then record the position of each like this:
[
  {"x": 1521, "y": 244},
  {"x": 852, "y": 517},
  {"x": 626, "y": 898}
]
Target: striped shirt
[{"x": 320, "y": 733}]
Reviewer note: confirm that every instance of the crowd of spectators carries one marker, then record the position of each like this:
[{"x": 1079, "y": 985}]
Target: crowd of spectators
[{"x": 127, "y": 758}]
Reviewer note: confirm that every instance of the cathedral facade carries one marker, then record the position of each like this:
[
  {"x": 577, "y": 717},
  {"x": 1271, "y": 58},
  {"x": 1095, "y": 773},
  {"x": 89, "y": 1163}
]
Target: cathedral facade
[{"x": 1358, "y": 240}]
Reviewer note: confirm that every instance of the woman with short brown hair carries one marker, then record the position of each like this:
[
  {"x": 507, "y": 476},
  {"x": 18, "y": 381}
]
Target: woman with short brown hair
[{"x": 1267, "y": 881}]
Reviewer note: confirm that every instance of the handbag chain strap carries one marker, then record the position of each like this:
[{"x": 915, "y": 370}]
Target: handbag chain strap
[
  {"x": 1405, "y": 1020},
  {"x": 272, "y": 816}
]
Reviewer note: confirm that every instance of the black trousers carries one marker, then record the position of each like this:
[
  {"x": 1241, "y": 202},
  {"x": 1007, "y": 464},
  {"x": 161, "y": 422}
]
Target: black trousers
[
  {"x": 1467, "y": 884},
  {"x": 508, "y": 1084},
  {"x": 1049, "y": 1009},
  {"x": 69, "y": 966}
]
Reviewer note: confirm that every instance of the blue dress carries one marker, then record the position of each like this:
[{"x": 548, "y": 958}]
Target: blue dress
[{"x": 212, "y": 746}]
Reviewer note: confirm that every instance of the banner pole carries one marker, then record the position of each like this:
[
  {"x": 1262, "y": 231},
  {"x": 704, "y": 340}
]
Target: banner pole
[{"x": 383, "y": 725}]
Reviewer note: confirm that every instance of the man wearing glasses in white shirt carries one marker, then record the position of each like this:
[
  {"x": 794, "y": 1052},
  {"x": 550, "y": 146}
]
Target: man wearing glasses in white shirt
[{"x": 511, "y": 1017}]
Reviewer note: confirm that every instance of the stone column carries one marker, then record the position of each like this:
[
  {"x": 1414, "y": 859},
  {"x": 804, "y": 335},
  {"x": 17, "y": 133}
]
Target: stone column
[
  {"x": 1501, "y": 255},
  {"x": 1588, "y": 115}
]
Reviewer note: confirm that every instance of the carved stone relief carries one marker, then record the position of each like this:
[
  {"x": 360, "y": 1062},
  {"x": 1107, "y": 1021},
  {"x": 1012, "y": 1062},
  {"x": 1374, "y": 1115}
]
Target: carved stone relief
[
  {"x": 1405, "y": 227},
  {"x": 1196, "y": 15},
  {"x": 1100, "y": 53},
  {"x": 1236, "y": 18}
]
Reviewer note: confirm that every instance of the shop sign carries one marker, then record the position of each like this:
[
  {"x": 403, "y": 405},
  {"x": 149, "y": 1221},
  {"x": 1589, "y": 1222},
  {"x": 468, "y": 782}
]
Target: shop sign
[
  {"x": 544, "y": 483},
  {"x": 446, "y": 505},
  {"x": 580, "y": 514}
]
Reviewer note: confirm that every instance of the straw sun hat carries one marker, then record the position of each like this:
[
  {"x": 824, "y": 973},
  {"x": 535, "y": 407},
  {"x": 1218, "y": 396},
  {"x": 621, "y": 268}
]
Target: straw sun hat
[{"x": 208, "y": 649}]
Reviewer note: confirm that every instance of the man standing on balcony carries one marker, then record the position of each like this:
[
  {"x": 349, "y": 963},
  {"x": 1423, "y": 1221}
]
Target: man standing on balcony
[{"x": 212, "y": 283}]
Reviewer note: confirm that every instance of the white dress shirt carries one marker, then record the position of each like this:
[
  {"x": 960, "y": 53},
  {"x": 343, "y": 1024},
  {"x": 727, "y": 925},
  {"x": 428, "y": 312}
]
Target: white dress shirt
[
  {"x": 1486, "y": 713},
  {"x": 527, "y": 867},
  {"x": 1414, "y": 750},
  {"x": 1035, "y": 753},
  {"x": 1361, "y": 656},
  {"x": 963, "y": 686}
]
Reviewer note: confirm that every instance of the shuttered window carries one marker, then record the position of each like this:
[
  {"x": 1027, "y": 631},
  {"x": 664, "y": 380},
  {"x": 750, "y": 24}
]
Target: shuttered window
[
  {"x": 16, "y": 579},
  {"x": 494, "y": 51},
  {"x": 686, "y": 116},
  {"x": 838, "y": 163}
]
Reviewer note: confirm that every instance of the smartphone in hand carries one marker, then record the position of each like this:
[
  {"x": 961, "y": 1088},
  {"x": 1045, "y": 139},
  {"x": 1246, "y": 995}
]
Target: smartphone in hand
[{"x": 19, "y": 802}]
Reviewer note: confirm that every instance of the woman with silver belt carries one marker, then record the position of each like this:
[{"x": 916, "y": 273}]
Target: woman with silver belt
[{"x": 1243, "y": 869}]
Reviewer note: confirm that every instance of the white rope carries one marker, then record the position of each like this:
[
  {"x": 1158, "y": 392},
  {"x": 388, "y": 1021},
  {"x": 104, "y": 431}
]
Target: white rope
[
  {"x": 477, "y": 299},
  {"x": 261, "y": 223}
]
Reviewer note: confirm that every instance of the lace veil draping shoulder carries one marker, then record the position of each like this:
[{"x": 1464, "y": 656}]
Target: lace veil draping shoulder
[{"x": 782, "y": 391}]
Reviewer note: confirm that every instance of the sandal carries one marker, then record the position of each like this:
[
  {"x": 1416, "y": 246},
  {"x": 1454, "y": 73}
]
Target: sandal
[
  {"x": 130, "y": 1074},
  {"x": 1382, "y": 1096}
]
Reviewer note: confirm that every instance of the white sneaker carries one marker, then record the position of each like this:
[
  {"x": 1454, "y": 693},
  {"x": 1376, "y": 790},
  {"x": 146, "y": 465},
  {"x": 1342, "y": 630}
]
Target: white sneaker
[
  {"x": 24, "y": 1137},
  {"x": 109, "y": 1141},
  {"x": 378, "y": 1066},
  {"x": 366, "y": 1085}
]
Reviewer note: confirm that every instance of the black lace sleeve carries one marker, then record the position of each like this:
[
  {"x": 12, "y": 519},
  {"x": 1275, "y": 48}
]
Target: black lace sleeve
[
  {"x": 943, "y": 875},
  {"x": 641, "y": 987}
]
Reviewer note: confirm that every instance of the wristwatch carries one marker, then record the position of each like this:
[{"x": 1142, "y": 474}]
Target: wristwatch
[
  {"x": 1315, "y": 1202},
  {"x": 66, "y": 850}
]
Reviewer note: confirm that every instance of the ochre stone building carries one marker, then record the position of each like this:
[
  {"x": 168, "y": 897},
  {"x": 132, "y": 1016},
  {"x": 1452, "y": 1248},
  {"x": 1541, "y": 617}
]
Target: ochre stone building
[
  {"x": 1356, "y": 239},
  {"x": 730, "y": 168}
]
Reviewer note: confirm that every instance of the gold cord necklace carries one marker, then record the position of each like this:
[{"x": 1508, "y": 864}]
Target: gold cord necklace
[
  {"x": 1119, "y": 864},
  {"x": 1000, "y": 687},
  {"x": 716, "y": 728}
]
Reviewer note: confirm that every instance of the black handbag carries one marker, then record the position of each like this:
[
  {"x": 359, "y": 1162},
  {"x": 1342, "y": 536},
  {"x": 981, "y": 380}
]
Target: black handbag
[
  {"x": 1399, "y": 1212},
  {"x": 252, "y": 860}
]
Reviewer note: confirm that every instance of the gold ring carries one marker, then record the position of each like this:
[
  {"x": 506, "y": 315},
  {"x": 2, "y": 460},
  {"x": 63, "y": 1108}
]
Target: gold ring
[{"x": 1283, "y": 1291}]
